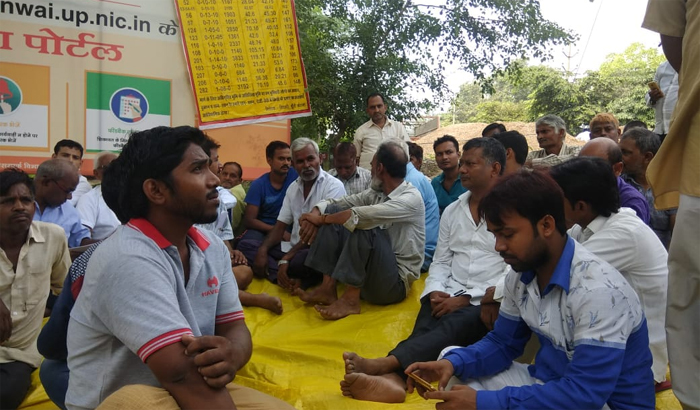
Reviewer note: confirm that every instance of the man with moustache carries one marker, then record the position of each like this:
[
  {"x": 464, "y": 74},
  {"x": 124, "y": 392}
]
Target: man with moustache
[
  {"x": 551, "y": 133},
  {"x": 590, "y": 324},
  {"x": 285, "y": 266},
  {"x": 72, "y": 152},
  {"x": 465, "y": 265},
  {"x": 231, "y": 176},
  {"x": 34, "y": 260},
  {"x": 447, "y": 185},
  {"x": 370, "y": 134},
  {"x": 159, "y": 303},
  {"x": 264, "y": 199},
  {"x": 373, "y": 242}
]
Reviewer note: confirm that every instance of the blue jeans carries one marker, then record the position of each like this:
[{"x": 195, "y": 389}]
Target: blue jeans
[{"x": 54, "y": 377}]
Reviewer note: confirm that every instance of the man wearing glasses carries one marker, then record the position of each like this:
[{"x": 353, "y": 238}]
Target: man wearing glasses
[{"x": 54, "y": 183}]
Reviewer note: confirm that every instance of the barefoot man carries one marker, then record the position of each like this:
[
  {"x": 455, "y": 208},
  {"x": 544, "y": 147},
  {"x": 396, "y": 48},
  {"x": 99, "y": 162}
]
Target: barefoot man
[
  {"x": 372, "y": 241},
  {"x": 455, "y": 308}
]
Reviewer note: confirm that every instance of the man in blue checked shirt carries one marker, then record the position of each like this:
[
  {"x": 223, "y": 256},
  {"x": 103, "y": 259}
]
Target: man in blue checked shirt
[{"x": 593, "y": 334}]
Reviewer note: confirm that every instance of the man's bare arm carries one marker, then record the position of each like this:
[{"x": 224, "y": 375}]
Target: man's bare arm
[
  {"x": 178, "y": 374},
  {"x": 673, "y": 50}
]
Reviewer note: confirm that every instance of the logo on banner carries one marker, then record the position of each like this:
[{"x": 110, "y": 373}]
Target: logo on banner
[
  {"x": 129, "y": 105},
  {"x": 10, "y": 96}
]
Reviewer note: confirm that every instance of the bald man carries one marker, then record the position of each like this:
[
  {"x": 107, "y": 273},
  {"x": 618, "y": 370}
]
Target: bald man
[{"x": 608, "y": 150}]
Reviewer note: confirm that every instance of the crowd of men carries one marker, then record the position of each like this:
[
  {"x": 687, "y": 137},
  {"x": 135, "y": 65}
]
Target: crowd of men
[{"x": 144, "y": 276}]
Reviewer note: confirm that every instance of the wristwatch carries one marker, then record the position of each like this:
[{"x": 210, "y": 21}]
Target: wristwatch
[{"x": 282, "y": 262}]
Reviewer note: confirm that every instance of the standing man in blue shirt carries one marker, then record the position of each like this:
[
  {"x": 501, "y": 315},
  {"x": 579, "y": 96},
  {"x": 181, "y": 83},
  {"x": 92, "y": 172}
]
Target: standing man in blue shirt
[
  {"x": 448, "y": 187},
  {"x": 590, "y": 324}
]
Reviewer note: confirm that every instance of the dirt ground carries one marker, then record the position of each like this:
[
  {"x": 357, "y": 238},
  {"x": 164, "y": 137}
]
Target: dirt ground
[{"x": 465, "y": 132}]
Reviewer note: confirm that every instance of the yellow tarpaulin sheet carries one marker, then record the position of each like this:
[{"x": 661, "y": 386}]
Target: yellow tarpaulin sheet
[{"x": 297, "y": 356}]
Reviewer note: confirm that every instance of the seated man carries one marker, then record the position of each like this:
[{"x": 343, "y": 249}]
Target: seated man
[
  {"x": 159, "y": 304},
  {"x": 355, "y": 179},
  {"x": 221, "y": 227},
  {"x": 415, "y": 152},
  {"x": 589, "y": 322},
  {"x": 264, "y": 199},
  {"x": 617, "y": 236},
  {"x": 286, "y": 266},
  {"x": 608, "y": 150},
  {"x": 373, "y": 242},
  {"x": 447, "y": 185},
  {"x": 493, "y": 129},
  {"x": 516, "y": 150},
  {"x": 94, "y": 212},
  {"x": 605, "y": 125},
  {"x": 54, "y": 184},
  {"x": 465, "y": 265},
  {"x": 72, "y": 151},
  {"x": 231, "y": 176},
  {"x": 551, "y": 135},
  {"x": 639, "y": 147},
  {"x": 33, "y": 259}
]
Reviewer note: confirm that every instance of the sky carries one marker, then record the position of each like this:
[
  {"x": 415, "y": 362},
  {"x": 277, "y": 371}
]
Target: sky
[{"x": 618, "y": 24}]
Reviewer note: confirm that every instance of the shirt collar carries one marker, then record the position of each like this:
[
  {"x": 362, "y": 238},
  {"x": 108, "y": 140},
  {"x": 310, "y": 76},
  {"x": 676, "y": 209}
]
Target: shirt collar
[
  {"x": 597, "y": 224},
  {"x": 145, "y": 227},
  {"x": 35, "y": 233},
  {"x": 398, "y": 190},
  {"x": 562, "y": 272}
]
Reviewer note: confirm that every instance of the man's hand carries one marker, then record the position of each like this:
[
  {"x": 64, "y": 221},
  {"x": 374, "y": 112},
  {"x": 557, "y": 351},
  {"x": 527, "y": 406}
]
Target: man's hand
[
  {"x": 238, "y": 258},
  {"x": 5, "y": 323},
  {"x": 308, "y": 228},
  {"x": 436, "y": 297},
  {"x": 282, "y": 277},
  {"x": 450, "y": 304},
  {"x": 459, "y": 398},
  {"x": 286, "y": 236},
  {"x": 440, "y": 370},
  {"x": 260, "y": 263},
  {"x": 214, "y": 358},
  {"x": 489, "y": 308},
  {"x": 655, "y": 95}
]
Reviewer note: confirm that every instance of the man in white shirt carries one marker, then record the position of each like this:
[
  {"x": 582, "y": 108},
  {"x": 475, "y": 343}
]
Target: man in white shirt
[
  {"x": 370, "y": 134},
  {"x": 464, "y": 266},
  {"x": 620, "y": 238},
  {"x": 664, "y": 98},
  {"x": 72, "y": 151},
  {"x": 373, "y": 242},
  {"x": 94, "y": 212},
  {"x": 312, "y": 186}
]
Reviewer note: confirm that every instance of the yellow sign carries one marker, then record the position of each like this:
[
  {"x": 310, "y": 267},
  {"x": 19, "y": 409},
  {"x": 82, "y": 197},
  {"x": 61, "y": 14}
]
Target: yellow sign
[{"x": 244, "y": 60}]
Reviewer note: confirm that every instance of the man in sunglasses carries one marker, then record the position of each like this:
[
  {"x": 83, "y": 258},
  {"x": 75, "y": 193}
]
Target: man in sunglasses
[{"x": 54, "y": 183}]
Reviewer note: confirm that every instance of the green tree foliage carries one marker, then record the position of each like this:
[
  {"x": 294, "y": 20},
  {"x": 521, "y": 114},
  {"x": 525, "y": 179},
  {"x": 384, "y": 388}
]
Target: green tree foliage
[
  {"x": 352, "y": 48},
  {"x": 526, "y": 93}
]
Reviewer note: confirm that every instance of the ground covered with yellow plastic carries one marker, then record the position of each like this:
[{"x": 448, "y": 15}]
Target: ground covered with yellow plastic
[{"x": 297, "y": 356}]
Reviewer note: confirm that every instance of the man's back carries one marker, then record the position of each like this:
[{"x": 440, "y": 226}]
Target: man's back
[
  {"x": 68, "y": 218},
  {"x": 134, "y": 301}
]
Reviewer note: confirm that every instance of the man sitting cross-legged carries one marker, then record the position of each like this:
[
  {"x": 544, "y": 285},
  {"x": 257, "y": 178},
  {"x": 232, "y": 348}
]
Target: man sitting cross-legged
[
  {"x": 372, "y": 241},
  {"x": 465, "y": 265},
  {"x": 286, "y": 266},
  {"x": 618, "y": 237},
  {"x": 158, "y": 323},
  {"x": 590, "y": 324}
]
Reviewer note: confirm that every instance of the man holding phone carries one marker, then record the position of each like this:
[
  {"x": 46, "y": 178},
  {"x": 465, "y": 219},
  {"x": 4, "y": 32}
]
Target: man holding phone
[{"x": 662, "y": 96}]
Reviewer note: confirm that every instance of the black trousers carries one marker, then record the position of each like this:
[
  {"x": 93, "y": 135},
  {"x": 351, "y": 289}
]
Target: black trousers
[
  {"x": 430, "y": 335},
  {"x": 15, "y": 379}
]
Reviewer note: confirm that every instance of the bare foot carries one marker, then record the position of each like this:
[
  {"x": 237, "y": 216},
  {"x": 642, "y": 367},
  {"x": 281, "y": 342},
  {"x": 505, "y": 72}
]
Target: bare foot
[
  {"x": 263, "y": 300},
  {"x": 358, "y": 364},
  {"x": 383, "y": 389},
  {"x": 339, "y": 309},
  {"x": 321, "y": 295}
]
